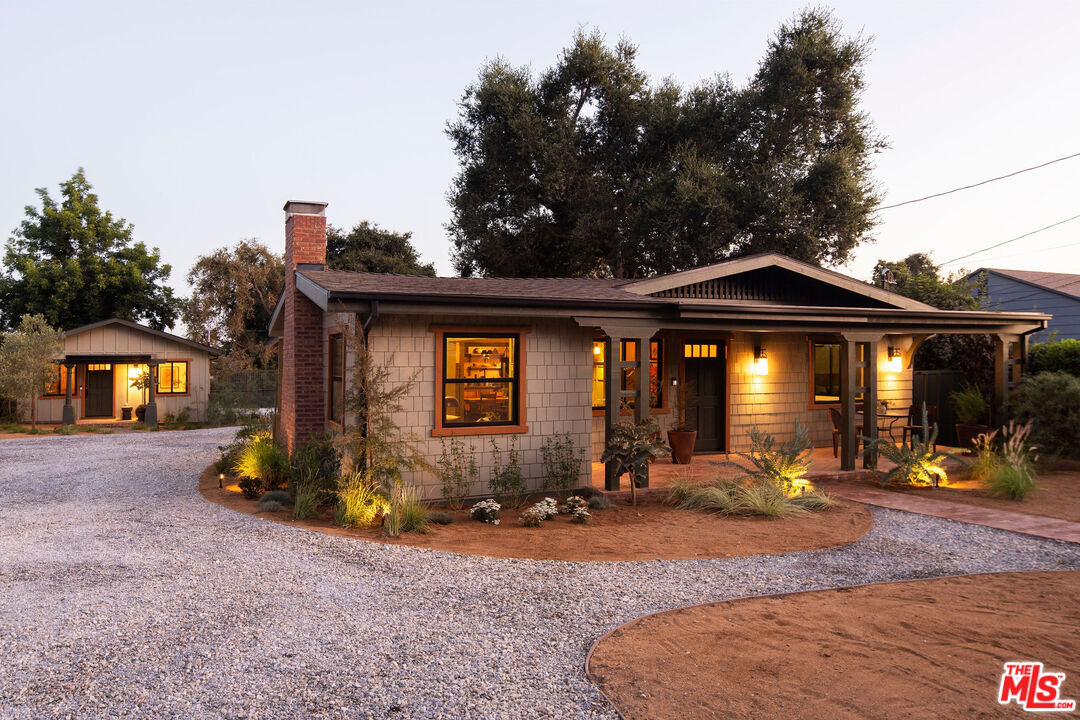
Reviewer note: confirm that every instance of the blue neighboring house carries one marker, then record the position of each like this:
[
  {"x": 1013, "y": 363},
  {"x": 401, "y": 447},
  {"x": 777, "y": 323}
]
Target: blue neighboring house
[{"x": 1026, "y": 290}]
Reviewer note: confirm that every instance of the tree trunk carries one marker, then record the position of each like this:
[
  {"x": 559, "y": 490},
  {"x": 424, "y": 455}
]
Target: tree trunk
[{"x": 33, "y": 412}]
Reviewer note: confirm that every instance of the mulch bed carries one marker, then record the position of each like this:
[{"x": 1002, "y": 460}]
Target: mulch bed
[{"x": 649, "y": 531}]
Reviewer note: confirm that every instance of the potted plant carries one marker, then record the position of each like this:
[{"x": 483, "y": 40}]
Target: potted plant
[
  {"x": 682, "y": 435},
  {"x": 140, "y": 382},
  {"x": 971, "y": 407}
]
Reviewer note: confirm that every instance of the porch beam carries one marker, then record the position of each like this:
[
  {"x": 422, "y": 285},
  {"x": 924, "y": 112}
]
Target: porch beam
[{"x": 69, "y": 409}]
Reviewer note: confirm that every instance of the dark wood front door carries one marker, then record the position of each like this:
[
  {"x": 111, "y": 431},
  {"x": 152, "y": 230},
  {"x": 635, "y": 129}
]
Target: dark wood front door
[
  {"x": 704, "y": 365},
  {"x": 99, "y": 391}
]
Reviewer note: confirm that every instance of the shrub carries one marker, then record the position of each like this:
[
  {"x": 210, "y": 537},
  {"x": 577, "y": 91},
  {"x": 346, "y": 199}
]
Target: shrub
[
  {"x": 600, "y": 502},
  {"x": 305, "y": 496},
  {"x": 631, "y": 447},
  {"x": 457, "y": 471},
  {"x": 440, "y": 518},
  {"x": 538, "y": 513},
  {"x": 580, "y": 515},
  {"x": 1015, "y": 477},
  {"x": 486, "y": 511},
  {"x": 918, "y": 464},
  {"x": 1055, "y": 356},
  {"x": 279, "y": 496},
  {"x": 251, "y": 488},
  {"x": 270, "y": 505},
  {"x": 575, "y": 502},
  {"x": 264, "y": 460},
  {"x": 318, "y": 462},
  {"x": 562, "y": 462},
  {"x": 359, "y": 503},
  {"x": 969, "y": 403},
  {"x": 1052, "y": 400},
  {"x": 784, "y": 466},
  {"x": 506, "y": 482},
  {"x": 531, "y": 518},
  {"x": 406, "y": 514}
]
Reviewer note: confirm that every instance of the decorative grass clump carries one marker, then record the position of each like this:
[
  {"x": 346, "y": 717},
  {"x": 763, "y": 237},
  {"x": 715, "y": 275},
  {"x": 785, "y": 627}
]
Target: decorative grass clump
[
  {"x": 278, "y": 496},
  {"x": 600, "y": 502},
  {"x": 814, "y": 500},
  {"x": 764, "y": 499},
  {"x": 754, "y": 498},
  {"x": 407, "y": 514},
  {"x": 708, "y": 498},
  {"x": 264, "y": 460},
  {"x": 1015, "y": 477},
  {"x": 986, "y": 461},
  {"x": 270, "y": 506},
  {"x": 359, "y": 503},
  {"x": 306, "y": 501},
  {"x": 1010, "y": 483},
  {"x": 440, "y": 518}
]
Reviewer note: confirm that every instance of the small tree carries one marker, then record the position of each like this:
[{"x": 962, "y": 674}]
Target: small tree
[
  {"x": 26, "y": 359},
  {"x": 631, "y": 447}
]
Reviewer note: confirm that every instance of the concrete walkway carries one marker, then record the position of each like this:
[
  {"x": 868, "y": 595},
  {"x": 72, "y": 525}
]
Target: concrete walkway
[{"x": 1036, "y": 525}]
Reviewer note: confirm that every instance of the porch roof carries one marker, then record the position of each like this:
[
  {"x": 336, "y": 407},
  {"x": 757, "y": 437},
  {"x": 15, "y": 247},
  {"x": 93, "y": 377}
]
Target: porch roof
[{"x": 95, "y": 358}]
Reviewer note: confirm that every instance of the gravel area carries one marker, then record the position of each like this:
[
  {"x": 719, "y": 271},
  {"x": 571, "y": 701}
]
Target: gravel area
[{"x": 123, "y": 593}]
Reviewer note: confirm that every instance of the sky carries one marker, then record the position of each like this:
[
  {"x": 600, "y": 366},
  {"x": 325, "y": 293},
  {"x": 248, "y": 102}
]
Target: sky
[{"x": 197, "y": 121}]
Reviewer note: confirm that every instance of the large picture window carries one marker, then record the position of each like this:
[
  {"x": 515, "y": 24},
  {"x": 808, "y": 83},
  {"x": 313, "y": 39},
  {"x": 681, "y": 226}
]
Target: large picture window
[
  {"x": 335, "y": 391},
  {"x": 480, "y": 380},
  {"x": 56, "y": 384},
  {"x": 628, "y": 353},
  {"x": 825, "y": 366},
  {"x": 172, "y": 378}
]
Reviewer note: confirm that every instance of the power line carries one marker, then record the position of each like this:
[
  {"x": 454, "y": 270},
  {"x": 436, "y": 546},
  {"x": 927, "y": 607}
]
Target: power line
[
  {"x": 1036, "y": 250},
  {"x": 1011, "y": 240},
  {"x": 984, "y": 182}
]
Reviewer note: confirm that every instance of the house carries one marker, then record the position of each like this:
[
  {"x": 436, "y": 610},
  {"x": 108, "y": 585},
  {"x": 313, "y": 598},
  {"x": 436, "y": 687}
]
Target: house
[
  {"x": 759, "y": 341},
  {"x": 93, "y": 379},
  {"x": 1035, "y": 291}
]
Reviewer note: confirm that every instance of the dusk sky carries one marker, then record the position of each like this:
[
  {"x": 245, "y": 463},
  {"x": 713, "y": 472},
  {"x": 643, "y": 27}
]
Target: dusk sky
[{"x": 197, "y": 121}]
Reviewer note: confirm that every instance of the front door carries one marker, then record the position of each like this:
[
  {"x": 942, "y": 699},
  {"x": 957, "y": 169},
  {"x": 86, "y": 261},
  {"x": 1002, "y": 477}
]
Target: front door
[
  {"x": 704, "y": 364},
  {"x": 99, "y": 391}
]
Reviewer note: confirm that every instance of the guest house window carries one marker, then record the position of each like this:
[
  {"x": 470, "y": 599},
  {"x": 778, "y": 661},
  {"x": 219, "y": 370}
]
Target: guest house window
[
  {"x": 480, "y": 375},
  {"x": 335, "y": 392},
  {"x": 825, "y": 364},
  {"x": 56, "y": 384},
  {"x": 628, "y": 381},
  {"x": 172, "y": 378}
]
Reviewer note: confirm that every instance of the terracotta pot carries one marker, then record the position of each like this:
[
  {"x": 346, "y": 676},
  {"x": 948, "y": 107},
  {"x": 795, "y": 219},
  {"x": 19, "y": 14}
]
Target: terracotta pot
[
  {"x": 966, "y": 433},
  {"x": 682, "y": 445}
]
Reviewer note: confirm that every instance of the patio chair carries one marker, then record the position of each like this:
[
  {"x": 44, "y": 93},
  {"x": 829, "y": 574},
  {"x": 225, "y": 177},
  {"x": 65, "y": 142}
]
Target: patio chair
[
  {"x": 834, "y": 414},
  {"x": 915, "y": 422}
]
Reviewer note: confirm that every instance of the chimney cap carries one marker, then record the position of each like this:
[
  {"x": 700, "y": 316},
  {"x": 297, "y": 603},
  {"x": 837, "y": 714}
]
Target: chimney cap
[{"x": 300, "y": 207}]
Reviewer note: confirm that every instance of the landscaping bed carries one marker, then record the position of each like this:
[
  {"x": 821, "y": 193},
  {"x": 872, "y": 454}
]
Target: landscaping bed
[
  {"x": 1056, "y": 493},
  {"x": 924, "y": 648},
  {"x": 650, "y": 531}
]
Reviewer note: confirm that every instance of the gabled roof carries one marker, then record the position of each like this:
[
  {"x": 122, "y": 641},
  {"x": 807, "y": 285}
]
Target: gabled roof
[
  {"x": 760, "y": 261},
  {"x": 144, "y": 329},
  {"x": 1062, "y": 283}
]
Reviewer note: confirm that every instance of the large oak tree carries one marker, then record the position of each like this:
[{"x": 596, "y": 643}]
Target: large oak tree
[
  {"x": 76, "y": 264},
  {"x": 590, "y": 169}
]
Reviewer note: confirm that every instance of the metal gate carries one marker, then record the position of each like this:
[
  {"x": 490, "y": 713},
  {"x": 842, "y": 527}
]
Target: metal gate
[{"x": 933, "y": 387}]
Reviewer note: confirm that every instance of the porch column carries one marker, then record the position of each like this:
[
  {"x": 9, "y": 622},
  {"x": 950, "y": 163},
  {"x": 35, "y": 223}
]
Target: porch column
[
  {"x": 870, "y": 429},
  {"x": 150, "y": 418},
  {"x": 1002, "y": 377},
  {"x": 851, "y": 346},
  {"x": 69, "y": 409},
  {"x": 612, "y": 403},
  {"x": 613, "y": 392},
  {"x": 849, "y": 441}
]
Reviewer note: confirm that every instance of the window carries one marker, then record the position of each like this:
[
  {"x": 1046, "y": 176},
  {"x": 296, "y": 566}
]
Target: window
[
  {"x": 335, "y": 391},
  {"x": 172, "y": 378},
  {"x": 825, "y": 361},
  {"x": 480, "y": 380},
  {"x": 629, "y": 375},
  {"x": 56, "y": 384}
]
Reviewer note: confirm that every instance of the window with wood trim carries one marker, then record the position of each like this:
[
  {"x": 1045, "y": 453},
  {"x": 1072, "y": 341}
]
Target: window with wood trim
[
  {"x": 628, "y": 353},
  {"x": 56, "y": 383},
  {"x": 335, "y": 390},
  {"x": 825, "y": 372},
  {"x": 172, "y": 378},
  {"x": 479, "y": 383}
]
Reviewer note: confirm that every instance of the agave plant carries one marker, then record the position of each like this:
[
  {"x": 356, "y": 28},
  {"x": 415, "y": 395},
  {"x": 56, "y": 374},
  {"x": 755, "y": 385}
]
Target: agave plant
[{"x": 919, "y": 464}]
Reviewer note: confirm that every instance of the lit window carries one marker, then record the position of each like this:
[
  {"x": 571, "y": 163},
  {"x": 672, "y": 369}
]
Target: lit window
[
  {"x": 56, "y": 383},
  {"x": 825, "y": 357},
  {"x": 629, "y": 375},
  {"x": 172, "y": 378},
  {"x": 480, "y": 380},
  {"x": 335, "y": 392}
]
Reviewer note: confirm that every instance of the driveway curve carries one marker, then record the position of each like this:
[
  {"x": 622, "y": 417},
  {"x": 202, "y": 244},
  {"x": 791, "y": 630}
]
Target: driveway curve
[{"x": 123, "y": 593}]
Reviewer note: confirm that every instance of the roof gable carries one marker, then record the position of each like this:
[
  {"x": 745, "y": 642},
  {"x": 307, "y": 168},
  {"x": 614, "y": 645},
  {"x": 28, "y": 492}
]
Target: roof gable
[
  {"x": 771, "y": 278},
  {"x": 1062, "y": 283},
  {"x": 144, "y": 329}
]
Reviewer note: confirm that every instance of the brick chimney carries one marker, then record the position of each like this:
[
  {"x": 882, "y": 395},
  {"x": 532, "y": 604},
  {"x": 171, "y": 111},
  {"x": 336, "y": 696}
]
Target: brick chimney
[{"x": 303, "y": 392}]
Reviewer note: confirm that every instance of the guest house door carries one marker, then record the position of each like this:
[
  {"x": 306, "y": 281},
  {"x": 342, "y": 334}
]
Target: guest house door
[{"x": 704, "y": 364}]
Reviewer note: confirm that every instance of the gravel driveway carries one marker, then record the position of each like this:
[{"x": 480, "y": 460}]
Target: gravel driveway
[{"x": 124, "y": 594}]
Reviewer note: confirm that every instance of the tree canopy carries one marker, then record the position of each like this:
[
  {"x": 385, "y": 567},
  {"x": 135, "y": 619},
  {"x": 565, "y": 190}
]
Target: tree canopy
[
  {"x": 27, "y": 358},
  {"x": 234, "y": 291},
  {"x": 76, "y": 264},
  {"x": 370, "y": 248},
  {"x": 589, "y": 169}
]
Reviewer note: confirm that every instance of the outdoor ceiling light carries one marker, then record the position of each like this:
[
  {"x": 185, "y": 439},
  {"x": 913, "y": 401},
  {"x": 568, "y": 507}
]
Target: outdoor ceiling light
[
  {"x": 896, "y": 361},
  {"x": 761, "y": 361}
]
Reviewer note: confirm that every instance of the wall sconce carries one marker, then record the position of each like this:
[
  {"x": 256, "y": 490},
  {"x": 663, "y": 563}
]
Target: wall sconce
[
  {"x": 597, "y": 349},
  {"x": 896, "y": 361},
  {"x": 761, "y": 361},
  {"x": 674, "y": 381}
]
